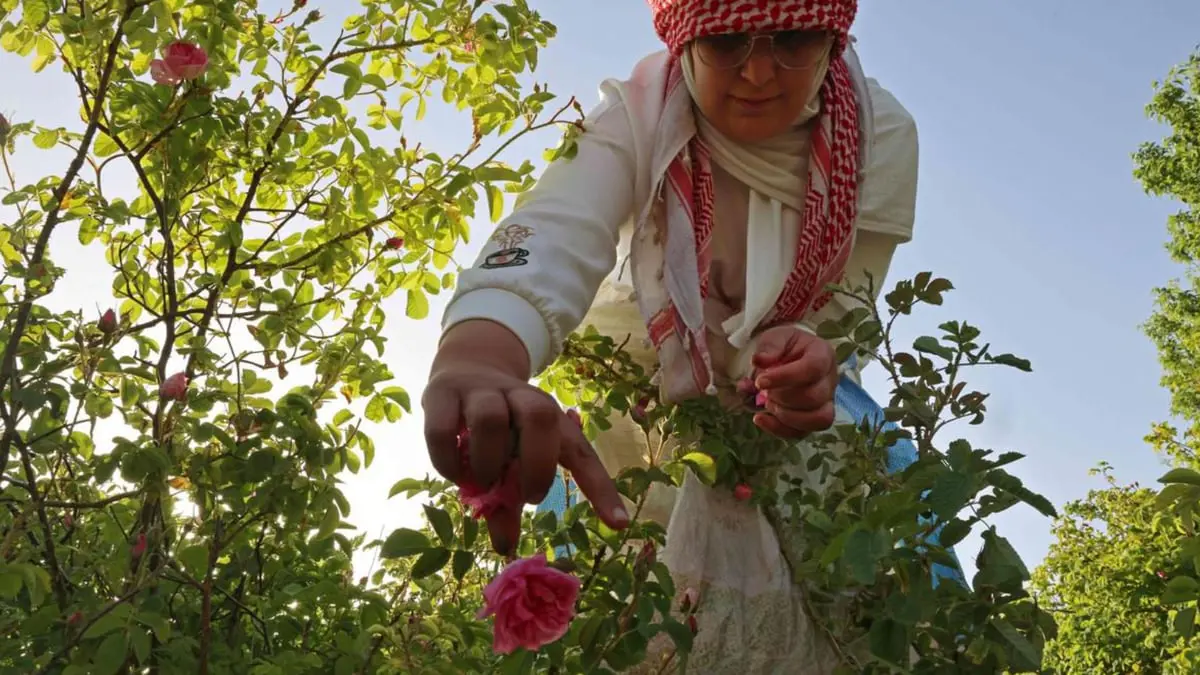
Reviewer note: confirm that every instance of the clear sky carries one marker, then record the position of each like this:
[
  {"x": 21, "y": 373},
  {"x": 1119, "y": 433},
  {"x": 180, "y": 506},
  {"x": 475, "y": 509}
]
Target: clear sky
[{"x": 1028, "y": 112}]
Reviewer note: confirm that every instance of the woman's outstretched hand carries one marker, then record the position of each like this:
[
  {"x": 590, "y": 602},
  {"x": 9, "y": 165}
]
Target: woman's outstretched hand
[
  {"x": 478, "y": 382},
  {"x": 798, "y": 370}
]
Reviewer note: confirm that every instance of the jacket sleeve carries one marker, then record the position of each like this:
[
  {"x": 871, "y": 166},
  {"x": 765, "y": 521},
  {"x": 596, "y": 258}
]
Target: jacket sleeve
[
  {"x": 541, "y": 268},
  {"x": 887, "y": 203}
]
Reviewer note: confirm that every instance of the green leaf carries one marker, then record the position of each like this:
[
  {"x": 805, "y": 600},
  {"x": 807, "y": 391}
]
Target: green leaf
[
  {"x": 950, "y": 493},
  {"x": 495, "y": 200},
  {"x": 952, "y": 532},
  {"x": 400, "y": 396},
  {"x": 1184, "y": 622},
  {"x": 703, "y": 465},
  {"x": 404, "y": 542},
  {"x": 329, "y": 523},
  {"x": 930, "y": 345},
  {"x": 45, "y": 139},
  {"x": 442, "y": 525},
  {"x": 1021, "y": 651},
  {"x": 1013, "y": 361},
  {"x": 1180, "y": 589},
  {"x": 110, "y": 655},
  {"x": 890, "y": 641},
  {"x": 863, "y": 551},
  {"x": 417, "y": 306},
  {"x": 430, "y": 562},
  {"x": 463, "y": 562},
  {"x": 1181, "y": 475},
  {"x": 194, "y": 558}
]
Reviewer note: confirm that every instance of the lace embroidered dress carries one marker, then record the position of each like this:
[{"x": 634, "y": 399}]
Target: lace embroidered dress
[{"x": 751, "y": 615}]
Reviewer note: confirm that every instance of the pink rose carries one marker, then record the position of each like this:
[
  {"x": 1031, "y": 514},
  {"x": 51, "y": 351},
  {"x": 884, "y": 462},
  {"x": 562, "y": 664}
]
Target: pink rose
[
  {"x": 533, "y": 604},
  {"x": 505, "y": 494},
  {"x": 181, "y": 61},
  {"x": 174, "y": 388}
]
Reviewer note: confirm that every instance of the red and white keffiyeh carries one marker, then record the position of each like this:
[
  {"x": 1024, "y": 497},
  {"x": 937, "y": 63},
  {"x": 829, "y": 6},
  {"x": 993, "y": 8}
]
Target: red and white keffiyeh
[{"x": 830, "y": 205}]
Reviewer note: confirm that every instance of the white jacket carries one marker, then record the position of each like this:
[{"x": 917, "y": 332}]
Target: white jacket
[{"x": 562, "y": 242}]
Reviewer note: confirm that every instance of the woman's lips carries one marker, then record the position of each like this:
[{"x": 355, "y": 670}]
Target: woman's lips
[{"x": 754, "y": 104}]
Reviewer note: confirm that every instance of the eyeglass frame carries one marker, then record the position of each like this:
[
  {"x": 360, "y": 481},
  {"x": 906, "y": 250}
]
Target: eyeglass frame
[{"x": 753, "y": 42}]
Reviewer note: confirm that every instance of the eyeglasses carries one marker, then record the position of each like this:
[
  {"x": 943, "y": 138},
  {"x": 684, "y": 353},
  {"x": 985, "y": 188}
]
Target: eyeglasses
[{"x": 791, "y": 49}]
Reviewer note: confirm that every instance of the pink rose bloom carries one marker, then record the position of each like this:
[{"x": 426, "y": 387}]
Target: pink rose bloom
[
  {"x": 505, "y": 494},
  {"x": 174, "y": 388},
  {"x": 181, "y": 61},
  {"x": 533, "y": 604}
]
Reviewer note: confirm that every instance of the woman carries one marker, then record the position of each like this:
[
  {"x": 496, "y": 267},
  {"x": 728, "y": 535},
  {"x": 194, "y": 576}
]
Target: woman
[{"x": 734, "y": 176}]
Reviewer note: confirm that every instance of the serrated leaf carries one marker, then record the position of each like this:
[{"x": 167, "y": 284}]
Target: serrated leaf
[
  {"x": 441, "y": 523},
  {"x": 1181, "y": 475},
  {"x": 404, "y": 542},
  {"x": 1180, "y": 589},
  {"x": 430, "y": 562},
  {"x": 463, "y": 562}
]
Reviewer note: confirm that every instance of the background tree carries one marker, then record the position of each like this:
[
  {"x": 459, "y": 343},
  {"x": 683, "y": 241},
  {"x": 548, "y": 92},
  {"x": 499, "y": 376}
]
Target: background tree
[
  {"x": 1171, "y": 168},
  {"x": 1122, "y": 573},
  {"x": 1102, "y": 579},
  {"x": 267, "y": 225}
]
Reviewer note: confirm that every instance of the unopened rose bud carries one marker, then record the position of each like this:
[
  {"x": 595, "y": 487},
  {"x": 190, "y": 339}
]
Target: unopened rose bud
[
  {"x": 108, "y": 322},
  {"x": 742, "y": 492},
  {"x": 394, "y": 243},
  {"x": 174, "y": 388},
  {"x": 139, "y": 546},
  {"x": 638, "y": 413},
  {"x": 649, "y": 553},
  {"x": 690, "y": 597},
  {"x": 75, "y": 619}
]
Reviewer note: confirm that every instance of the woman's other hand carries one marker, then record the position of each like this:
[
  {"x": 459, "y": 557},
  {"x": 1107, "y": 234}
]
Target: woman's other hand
[
  {"x": 479, "y": 380},
  {"x": 798, "y": 370}
]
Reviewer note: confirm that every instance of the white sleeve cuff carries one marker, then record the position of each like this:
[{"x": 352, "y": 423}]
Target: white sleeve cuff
[{"x": 509, "y": 310}]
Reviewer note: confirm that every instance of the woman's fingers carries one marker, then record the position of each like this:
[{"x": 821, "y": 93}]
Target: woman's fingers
[
  {"x": 589, "y": 474},
  {"x": 442, "y": 410},
  {"x": 772, "y": 425},
  {"x": 487, "y": 417},
  {"x": 536, "y": 418},
  {"x": 803, "y": 421},
  {"x": 504, "y": 529}
]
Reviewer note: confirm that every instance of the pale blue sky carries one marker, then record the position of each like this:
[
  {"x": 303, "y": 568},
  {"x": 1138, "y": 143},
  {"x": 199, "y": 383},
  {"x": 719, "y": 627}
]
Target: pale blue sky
[{"x": 1028, "y": 112}]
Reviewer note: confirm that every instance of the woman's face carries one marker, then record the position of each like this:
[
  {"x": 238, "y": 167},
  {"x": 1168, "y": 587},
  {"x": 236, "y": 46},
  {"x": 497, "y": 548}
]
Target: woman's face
[{"x": 754, "y": 87}]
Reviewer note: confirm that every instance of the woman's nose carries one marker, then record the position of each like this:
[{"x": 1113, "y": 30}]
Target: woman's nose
[{"x": 759, "y": 68}]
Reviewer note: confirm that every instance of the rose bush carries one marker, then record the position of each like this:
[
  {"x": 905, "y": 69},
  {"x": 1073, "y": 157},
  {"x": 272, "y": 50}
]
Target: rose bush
[{"x": 169, "y": 491}]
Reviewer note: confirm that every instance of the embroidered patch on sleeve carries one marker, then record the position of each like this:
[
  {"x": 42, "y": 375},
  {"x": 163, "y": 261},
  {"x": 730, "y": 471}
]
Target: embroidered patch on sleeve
[
  {"x": 511, "y": 236},
  {"x": 508, "y": 257}
]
